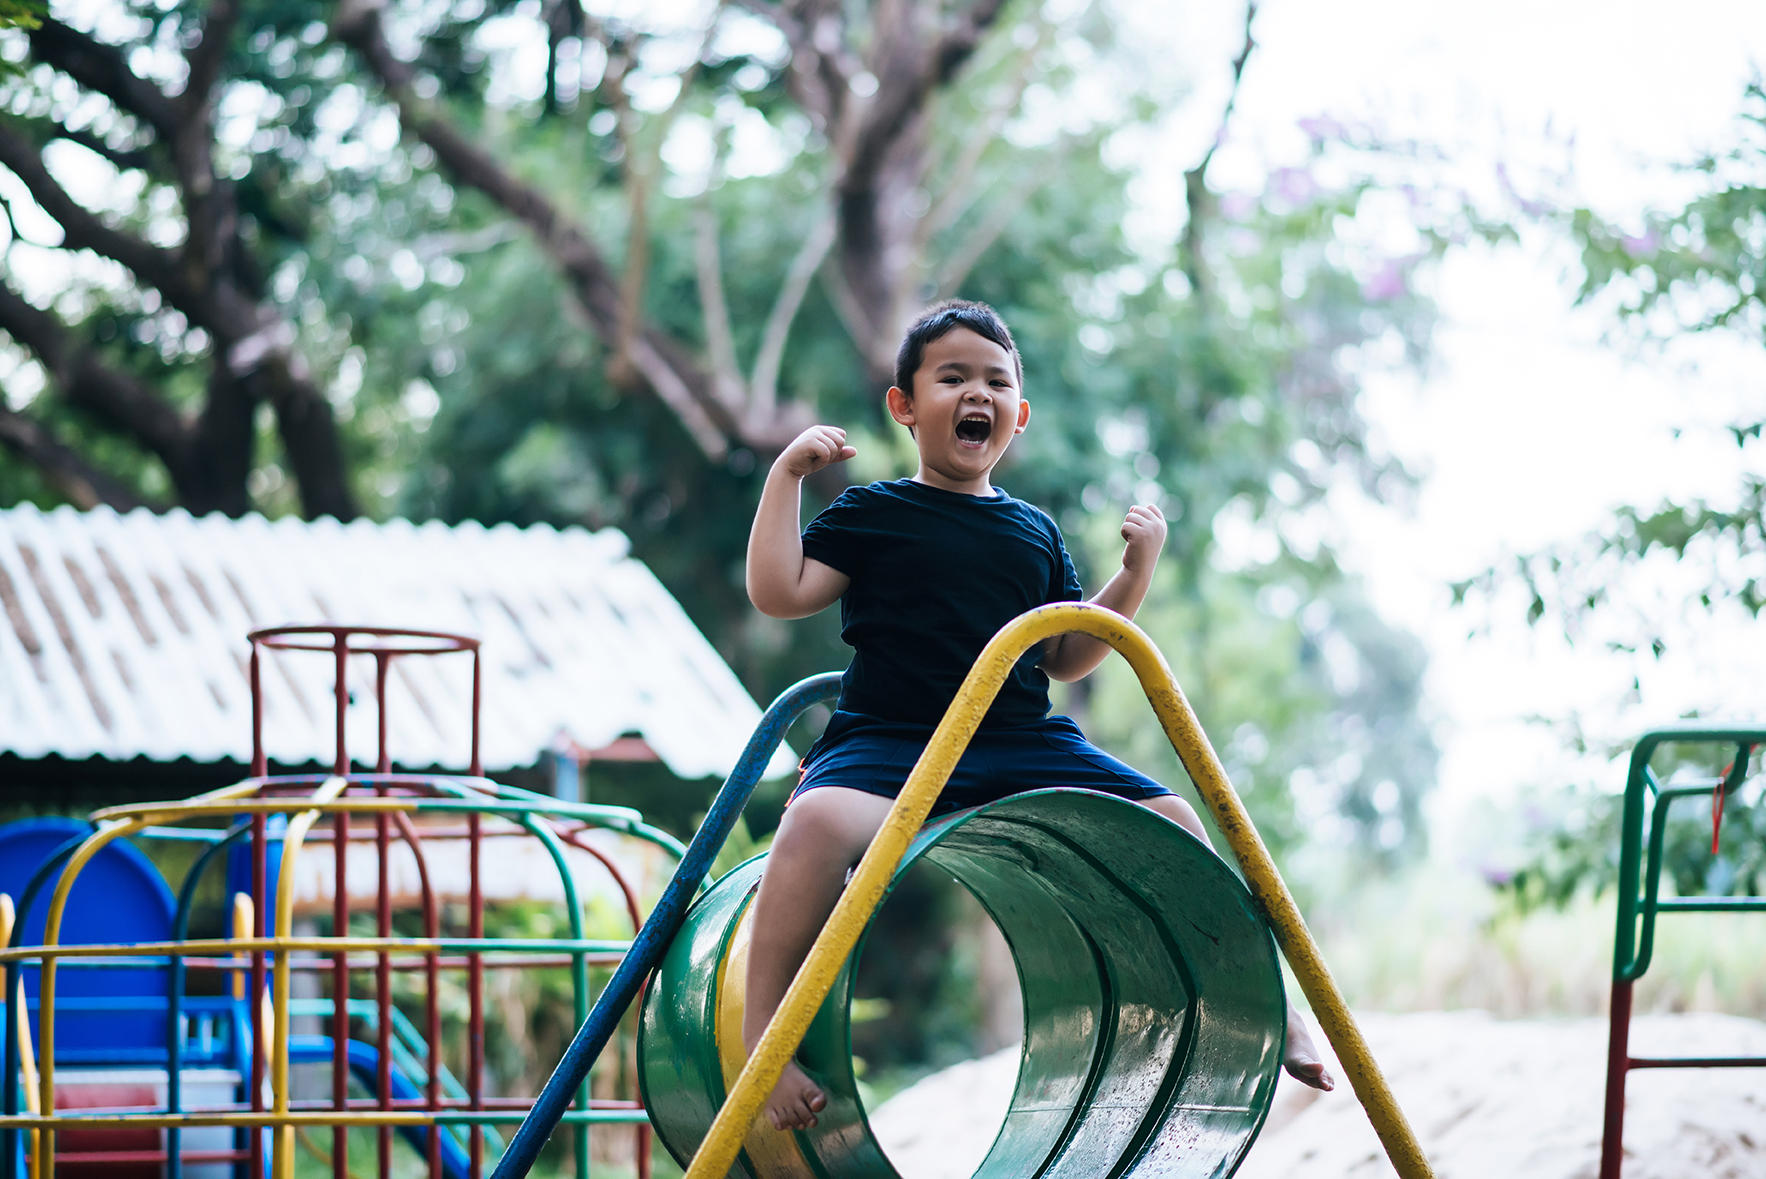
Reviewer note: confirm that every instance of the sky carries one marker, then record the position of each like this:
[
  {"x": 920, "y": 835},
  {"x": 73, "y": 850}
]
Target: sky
[{"x": 1530, "y": 424}]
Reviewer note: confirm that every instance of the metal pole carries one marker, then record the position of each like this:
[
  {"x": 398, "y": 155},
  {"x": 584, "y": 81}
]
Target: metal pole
[
  {"x": 475, "y": 995},
  {"x": 383, "y": 928}
]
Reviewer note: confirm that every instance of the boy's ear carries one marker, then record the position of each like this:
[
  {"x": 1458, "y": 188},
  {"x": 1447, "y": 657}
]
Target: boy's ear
[
  {"x": 901, "y": 406},
  {"x": 1023, "y": 416}
]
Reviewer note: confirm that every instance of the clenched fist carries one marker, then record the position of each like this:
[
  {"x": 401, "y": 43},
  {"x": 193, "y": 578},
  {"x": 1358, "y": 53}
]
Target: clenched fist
[
  {"x": 815, "y": 448},
  {"x": 1144, "y": 530}
]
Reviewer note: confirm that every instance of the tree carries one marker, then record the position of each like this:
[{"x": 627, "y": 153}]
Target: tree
[
  {"x": 1693, "y": 269},
  {"x": 549, "y": 264},
  {"x": 207, "y": 287}
]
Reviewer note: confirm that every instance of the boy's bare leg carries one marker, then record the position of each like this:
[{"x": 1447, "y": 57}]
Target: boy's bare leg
[
  {"x": 824, "y": 833},
  {"x": 1302, "y": 1059}
]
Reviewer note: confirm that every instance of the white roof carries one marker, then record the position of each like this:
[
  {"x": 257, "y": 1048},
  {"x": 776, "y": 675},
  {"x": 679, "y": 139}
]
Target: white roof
[{"x": 124, "y": 636}]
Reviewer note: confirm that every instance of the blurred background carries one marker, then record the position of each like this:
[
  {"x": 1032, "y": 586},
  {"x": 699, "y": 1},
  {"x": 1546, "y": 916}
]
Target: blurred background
[{"x": 1438, "y": 337}]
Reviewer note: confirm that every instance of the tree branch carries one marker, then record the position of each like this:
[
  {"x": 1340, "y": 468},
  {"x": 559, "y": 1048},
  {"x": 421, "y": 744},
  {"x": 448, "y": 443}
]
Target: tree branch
[
  {"x": 720, "y": 342},
  {"x": 84, "y": 485},
  {"x": 114, "y": 397},
  {"x": 958, "y": 45},
  {"x": 665, "y": 364},
  {"x": 103, "y": 68},
  {"x": 80, "y": 229},
  {"x": 854, "y": 316},
  {"x": 206, "y": 57},
  {"x": 125, "y": 159},
  {"x": 964, "y": 258},
  {"x": 1195, "y": 185},
  {"x": 764, "y": 389},
  {"x": 958, "y": 196},
  {"x": 637, "y": 231}
]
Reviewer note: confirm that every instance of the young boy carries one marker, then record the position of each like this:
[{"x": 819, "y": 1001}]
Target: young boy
[{"x": 926, "y": 570}]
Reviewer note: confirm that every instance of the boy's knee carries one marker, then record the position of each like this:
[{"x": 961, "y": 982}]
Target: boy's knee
[
  {"x": 815, "y": 816},
  {"x": 1179, "y": 811},
  {"x": 830, "y": 822}
]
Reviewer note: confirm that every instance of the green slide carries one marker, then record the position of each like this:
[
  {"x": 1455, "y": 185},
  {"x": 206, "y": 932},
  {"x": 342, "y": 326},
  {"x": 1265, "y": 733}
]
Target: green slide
[{"x": 1153, "y": 1004}]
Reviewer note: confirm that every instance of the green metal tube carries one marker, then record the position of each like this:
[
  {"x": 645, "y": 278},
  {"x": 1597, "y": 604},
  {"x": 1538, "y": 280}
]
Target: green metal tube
[{"x": 1153, "y": 1003}]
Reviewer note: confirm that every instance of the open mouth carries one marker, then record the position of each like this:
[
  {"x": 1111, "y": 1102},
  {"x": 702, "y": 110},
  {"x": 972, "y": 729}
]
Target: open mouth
[{"x": 974, "y": 430}]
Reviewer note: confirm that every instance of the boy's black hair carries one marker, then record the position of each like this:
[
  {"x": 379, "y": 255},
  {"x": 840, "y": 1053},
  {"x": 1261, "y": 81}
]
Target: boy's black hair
[{"x": 942, "y": 318}]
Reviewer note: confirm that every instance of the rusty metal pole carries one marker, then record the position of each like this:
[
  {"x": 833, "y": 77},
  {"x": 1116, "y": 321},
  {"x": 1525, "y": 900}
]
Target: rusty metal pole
[
  {"x": 475, "y": 994},
  {"x": 260, "y": 901},
  {"x": 383, "y": 928},
  {"x": 340, "y": 994}
]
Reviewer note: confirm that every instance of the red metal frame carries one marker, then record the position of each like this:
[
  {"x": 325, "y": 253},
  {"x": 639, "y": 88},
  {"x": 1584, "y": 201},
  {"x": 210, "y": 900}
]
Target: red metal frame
[{"x": 384, "y": 644}]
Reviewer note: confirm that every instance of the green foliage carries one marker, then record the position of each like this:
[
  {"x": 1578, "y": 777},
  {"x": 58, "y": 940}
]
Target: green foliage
[
  {"x": 1694, "y": 269},
  {"x": 1572, "y": 846},
  {"x": 22, "y": 14},
  {"x": 1698, "y": 268}
]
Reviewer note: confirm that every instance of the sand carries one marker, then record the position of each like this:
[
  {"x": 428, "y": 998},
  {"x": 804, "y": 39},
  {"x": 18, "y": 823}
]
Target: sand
[{"x": 1488, "y": 1098}]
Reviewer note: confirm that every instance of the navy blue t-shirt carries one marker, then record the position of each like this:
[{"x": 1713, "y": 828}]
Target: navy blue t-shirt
[{"x": 935, "y": 574}]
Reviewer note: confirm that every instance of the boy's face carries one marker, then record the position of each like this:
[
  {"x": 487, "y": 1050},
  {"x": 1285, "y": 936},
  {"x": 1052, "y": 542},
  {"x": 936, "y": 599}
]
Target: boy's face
[{"x": 965, "y": 409}]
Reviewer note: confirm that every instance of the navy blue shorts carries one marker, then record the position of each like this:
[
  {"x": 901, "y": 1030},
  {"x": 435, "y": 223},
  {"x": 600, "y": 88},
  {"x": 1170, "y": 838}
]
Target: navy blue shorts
[{"x": 867, "y": 753}]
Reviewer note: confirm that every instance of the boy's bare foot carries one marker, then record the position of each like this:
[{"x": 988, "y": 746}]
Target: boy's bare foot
[
  {"x": 1303, "y": 1061},
  {"x": 795, "y": 1100}
]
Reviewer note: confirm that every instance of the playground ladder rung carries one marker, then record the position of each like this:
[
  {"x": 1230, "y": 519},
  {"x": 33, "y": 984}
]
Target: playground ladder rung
[
  {"x": 1695, "y": 1062},
  {"x": 1713, "y": 904}
]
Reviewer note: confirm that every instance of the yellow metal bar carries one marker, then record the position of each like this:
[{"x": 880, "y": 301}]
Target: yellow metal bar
[
  {"x": 318, "y": 1117},
  {"x": 164, "y": 812},
  {"x": 64, "y": 885},
  {"x": 864, "y": 890},
  {"x": 27, "y": 1058},
  {"x": 243, "y": 913},
  {"x": 227, "y": 947},
  {"x": 283, "y": 1168}
]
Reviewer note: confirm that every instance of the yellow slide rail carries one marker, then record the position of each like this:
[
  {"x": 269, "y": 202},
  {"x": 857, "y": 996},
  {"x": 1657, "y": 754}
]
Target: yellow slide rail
[{"x": 864, "y": 891}]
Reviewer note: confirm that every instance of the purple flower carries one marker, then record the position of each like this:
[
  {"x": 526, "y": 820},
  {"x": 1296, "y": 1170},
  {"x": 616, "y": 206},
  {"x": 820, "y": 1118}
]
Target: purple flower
[
  {"x": 1641, "y": 247},
  {"x": 1293, "y": 185},
  {"x": 1236, "y": 206},
  {"x": 1322, "y": 127},
  {"x": 1387, "y": 282}
]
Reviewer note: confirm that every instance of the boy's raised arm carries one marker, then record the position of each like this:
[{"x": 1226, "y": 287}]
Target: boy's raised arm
[
  {"x": 1074, "y": 656},
  {"x": 782, "y": 582}
]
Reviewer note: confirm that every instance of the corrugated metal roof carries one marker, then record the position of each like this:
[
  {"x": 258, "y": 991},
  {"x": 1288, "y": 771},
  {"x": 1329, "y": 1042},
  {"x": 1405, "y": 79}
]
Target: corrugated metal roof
[{"x": 124, "y": 636}]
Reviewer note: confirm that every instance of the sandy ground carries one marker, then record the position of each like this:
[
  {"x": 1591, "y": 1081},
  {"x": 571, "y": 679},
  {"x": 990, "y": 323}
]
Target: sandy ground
[{"x": 1488, "y": 1098}]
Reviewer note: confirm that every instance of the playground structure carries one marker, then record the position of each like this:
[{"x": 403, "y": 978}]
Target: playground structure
[
  {"x": 1159, "y": 1143},
  {"x": 119, "y": 1050},
  {"x": 1640, "y": 902},
  {"x": 1173, "y": 1078}
]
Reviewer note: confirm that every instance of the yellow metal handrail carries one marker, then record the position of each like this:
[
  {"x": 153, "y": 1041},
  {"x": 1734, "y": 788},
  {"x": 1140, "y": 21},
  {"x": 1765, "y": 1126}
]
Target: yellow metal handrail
[
  {"x": 864, "y": 891},
  {"x": 106, "y": 833},
  {"x": 291, "y": 845}
]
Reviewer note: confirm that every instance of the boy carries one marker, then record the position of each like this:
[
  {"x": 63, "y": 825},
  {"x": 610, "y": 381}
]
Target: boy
[{"x": 926, "y": 570}]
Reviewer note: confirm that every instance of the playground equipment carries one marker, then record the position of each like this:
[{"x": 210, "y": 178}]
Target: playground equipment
[
  {"x": 1173, "y": 1075},
  {"x": 1163, "y": 1054},
  {"x": 1634, "y": 941},
  {"x": 1144, "y": 1128},
  {"x": 119, "y": 1050}
]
